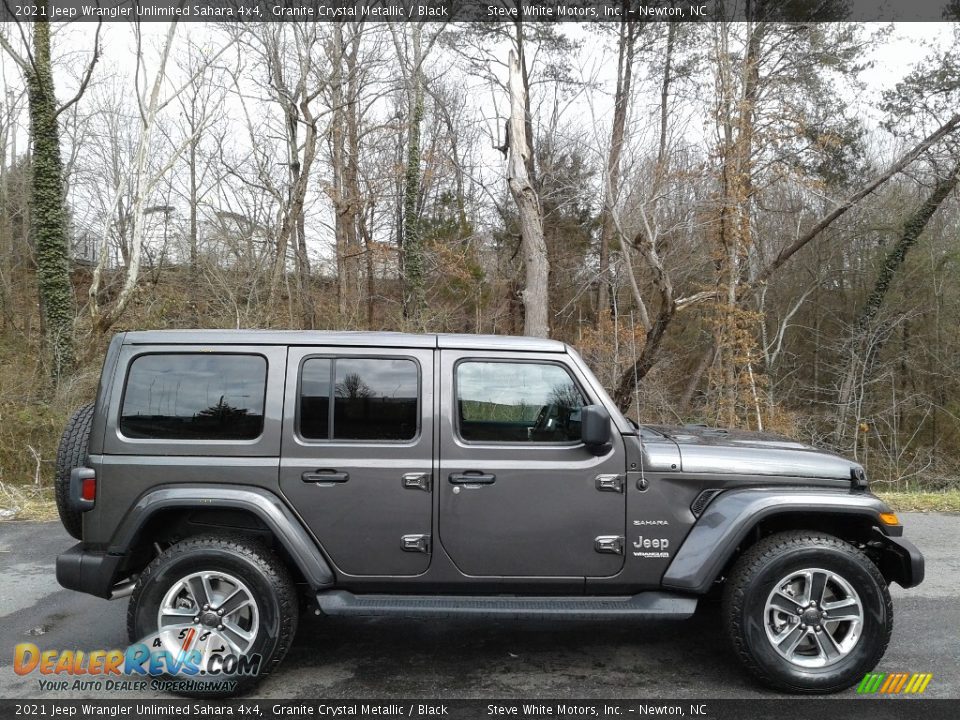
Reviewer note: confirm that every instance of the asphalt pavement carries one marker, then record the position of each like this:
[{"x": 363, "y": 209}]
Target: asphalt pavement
[{"x": 403, "y": 658}]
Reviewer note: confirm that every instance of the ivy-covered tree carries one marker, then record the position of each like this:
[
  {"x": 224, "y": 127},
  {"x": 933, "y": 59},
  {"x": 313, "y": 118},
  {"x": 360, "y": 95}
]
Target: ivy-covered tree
[
  {"x": 49, "y": 213},
  {"x": 49, "y": 208}
]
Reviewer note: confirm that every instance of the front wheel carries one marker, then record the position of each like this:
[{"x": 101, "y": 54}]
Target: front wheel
[
  {"x": 222, "y": 611},
  {"x": 807, "y": 612}
]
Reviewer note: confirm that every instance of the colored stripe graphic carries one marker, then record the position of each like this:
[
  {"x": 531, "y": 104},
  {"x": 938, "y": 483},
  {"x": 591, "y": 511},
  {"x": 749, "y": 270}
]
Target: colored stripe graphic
[
  {"x": 894, "y": 683},
  {"x": 871, "y": 683},
  {"x": 188, "y": 640},
  {"x": 887, "y": 683},
  {"x": 865, "y": 683}
]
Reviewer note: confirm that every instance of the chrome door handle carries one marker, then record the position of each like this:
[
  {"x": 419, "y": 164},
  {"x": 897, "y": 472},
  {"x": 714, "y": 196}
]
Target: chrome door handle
[{"x": 472, "y": 477}]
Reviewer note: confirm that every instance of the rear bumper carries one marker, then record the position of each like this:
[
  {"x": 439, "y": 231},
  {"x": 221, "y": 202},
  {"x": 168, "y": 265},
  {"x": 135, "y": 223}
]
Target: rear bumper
[
  {"x": 87, "y": 571},
  {"x": 902, "y": 562}
]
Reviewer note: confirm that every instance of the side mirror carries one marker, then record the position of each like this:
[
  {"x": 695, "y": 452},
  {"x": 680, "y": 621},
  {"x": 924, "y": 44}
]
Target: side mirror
[{"x": 595, "y": 428}]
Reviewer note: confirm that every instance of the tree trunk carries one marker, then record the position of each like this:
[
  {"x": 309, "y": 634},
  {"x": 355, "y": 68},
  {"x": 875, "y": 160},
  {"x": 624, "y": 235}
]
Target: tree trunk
[
  {"x": 49, "y": 218},
  {"x": 611, "y": 191},
  {"x": 731, "y": 338},
  {"x": 345, "y": 147},
  {"x": 414, "y": 296},
  {"x": 865, "y": 345},
  {"x": 143, "y": 185},
  {"x": 631, "y": 376},
  {"x": 912, "y": 229},
  {"x": 358, "y": 280},
  {"x": 194, "y": 225},
  {"x": 534, "y": 294}
]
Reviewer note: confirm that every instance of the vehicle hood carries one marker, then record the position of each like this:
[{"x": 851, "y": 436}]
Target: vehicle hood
[{"x": 738, "y": 452}]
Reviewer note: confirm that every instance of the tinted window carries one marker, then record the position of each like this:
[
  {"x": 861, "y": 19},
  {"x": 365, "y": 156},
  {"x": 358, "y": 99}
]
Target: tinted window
[
  {"x": 373, "y": 399},
  {"x": 315, "y": 399},
  {"x": 517, "y": 402},
  {"x": 194, "y": 397}
]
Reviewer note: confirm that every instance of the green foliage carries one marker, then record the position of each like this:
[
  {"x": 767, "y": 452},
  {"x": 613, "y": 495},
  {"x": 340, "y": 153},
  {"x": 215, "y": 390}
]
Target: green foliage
[
  {"x": 414, "y": 300},
  {"x": 803, "y": 69},
  {"x": 929, "y": 92},
  {"x": 49, "y": 215}
]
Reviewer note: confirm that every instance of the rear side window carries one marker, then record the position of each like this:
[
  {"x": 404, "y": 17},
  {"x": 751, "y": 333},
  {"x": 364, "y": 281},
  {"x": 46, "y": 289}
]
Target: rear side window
[
  {"x": 372, "y": 399},
  {"x": 194, "y": 396}
]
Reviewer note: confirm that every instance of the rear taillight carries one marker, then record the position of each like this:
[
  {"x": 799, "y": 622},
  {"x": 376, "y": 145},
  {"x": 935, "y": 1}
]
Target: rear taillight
[
  {"x": 83, "y": 488},
  {"x": 88, "y": 489}
]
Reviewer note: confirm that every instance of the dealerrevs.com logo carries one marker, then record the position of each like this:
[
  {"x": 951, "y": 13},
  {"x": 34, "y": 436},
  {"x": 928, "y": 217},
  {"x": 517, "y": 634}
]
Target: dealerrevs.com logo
[{"x": 151, "y": 664}]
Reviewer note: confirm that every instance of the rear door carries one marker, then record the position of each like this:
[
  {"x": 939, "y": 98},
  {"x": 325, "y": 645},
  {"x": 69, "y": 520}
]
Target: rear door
[
  {"x": 357, "y": 454},
  {"x": 520, "y": 495}
]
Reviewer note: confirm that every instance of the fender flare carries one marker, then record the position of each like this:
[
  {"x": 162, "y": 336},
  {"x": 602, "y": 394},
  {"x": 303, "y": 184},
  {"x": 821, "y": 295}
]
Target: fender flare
[
  {"x": 265, "y": 505},
  {"x": 733, "y": 514}
]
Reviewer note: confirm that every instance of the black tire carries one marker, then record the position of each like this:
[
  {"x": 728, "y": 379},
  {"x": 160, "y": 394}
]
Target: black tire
[
  {"x": 751, "y": 583},
  {"x": 72, "y": 453},
  {"x": 244, "y": 558}
]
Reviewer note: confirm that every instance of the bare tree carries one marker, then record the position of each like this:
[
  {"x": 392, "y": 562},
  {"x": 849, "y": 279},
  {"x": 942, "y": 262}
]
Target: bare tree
[
  {"x": 150, "y": 103},
  {"x": 626, "y": 47},
  {"x": 537, "y": 267}
]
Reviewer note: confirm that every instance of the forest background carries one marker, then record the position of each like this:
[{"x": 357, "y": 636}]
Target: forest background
[{"x": 750, "y": 224}]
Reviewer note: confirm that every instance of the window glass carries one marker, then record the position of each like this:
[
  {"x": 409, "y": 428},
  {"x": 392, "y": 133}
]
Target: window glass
[
  {"x": 517, "y": 402},
  {"x": 194, "y": 396},
  {"x": 373, "y": 399},
  {"x": 315, "y": 399}
]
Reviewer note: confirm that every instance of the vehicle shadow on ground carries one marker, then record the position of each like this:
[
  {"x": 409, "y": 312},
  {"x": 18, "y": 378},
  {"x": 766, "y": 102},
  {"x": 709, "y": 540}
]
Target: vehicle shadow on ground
[{"x": 396, "y": 657}]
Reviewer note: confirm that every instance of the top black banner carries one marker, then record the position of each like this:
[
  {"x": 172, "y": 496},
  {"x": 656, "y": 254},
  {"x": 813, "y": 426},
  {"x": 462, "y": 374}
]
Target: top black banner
[{"x": 480, "y": 10}]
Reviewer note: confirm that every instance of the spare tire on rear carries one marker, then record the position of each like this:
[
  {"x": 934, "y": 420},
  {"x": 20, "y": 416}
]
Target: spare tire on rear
[{"x": 72, "y": 453}]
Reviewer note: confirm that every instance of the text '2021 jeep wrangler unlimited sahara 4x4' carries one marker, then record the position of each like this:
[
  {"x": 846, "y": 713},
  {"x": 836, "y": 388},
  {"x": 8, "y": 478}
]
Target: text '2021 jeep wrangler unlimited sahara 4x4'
[{"x": 220, "y": 476}]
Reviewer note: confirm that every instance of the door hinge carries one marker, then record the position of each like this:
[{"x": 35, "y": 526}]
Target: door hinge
[
  {"x": 609, "y": 544},
  {"x": 417, "y": 481},
  {"x": 610, "y": 483},
  {"x": 415, "y": 543}
]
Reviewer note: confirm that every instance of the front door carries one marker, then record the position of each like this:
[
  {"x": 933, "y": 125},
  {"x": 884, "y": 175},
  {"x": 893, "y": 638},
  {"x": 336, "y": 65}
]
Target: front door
[
  {"x": 357, "y": 457},
  {"x": 520, "y": 495}
]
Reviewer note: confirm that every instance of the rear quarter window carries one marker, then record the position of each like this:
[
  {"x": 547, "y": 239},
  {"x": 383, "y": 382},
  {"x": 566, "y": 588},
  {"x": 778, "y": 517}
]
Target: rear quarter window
[{"x": 194, "y": 396}]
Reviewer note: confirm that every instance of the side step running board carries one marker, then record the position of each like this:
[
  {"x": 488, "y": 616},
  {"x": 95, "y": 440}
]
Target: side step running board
[{"x": 643, "y": 605}]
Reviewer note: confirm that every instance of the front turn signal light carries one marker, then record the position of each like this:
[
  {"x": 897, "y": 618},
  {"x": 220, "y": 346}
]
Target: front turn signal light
[{"x": 889, "y": 518}]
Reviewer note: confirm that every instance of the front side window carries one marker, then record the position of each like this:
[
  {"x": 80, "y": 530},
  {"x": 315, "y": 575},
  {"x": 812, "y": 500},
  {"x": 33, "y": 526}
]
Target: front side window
[
  {"x": 194, "y": 396},
  {"x": 517, "y": 402},
  {"x": 372, "y": 399}
]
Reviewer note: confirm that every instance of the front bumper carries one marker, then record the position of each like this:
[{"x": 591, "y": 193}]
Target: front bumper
[
  {"x": 88, "y": 571},
  {"x": 901, "y": 561}
]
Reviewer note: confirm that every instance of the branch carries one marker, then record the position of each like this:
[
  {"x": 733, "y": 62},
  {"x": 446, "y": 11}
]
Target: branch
[
  {"x": 696, "y": 299},
  {"x": 26, "y": 64},
  {"x": 86, "y": 77},
  {"x": 789, "y": 251}
]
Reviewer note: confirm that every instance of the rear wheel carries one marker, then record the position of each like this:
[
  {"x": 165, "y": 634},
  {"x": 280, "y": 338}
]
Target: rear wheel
[
  {"x": 807, "y": 612},
  {"x": 226, "y": 601},
  {"x": 72, "y": 453}
]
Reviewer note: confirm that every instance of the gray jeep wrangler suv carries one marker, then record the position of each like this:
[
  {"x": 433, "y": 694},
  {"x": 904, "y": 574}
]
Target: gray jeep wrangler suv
[{"x": 223, "y": 478}]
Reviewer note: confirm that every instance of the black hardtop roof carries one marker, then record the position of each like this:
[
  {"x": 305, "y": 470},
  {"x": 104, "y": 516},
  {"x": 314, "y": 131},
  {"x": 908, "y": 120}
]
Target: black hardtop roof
[{"x": 354, "y": 338}]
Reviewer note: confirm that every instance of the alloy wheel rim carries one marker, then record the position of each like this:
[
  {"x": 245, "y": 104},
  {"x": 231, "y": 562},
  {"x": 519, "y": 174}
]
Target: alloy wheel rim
[
  {"x": 209, "y": 612},
  {"x": 813, "y": 618}
]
